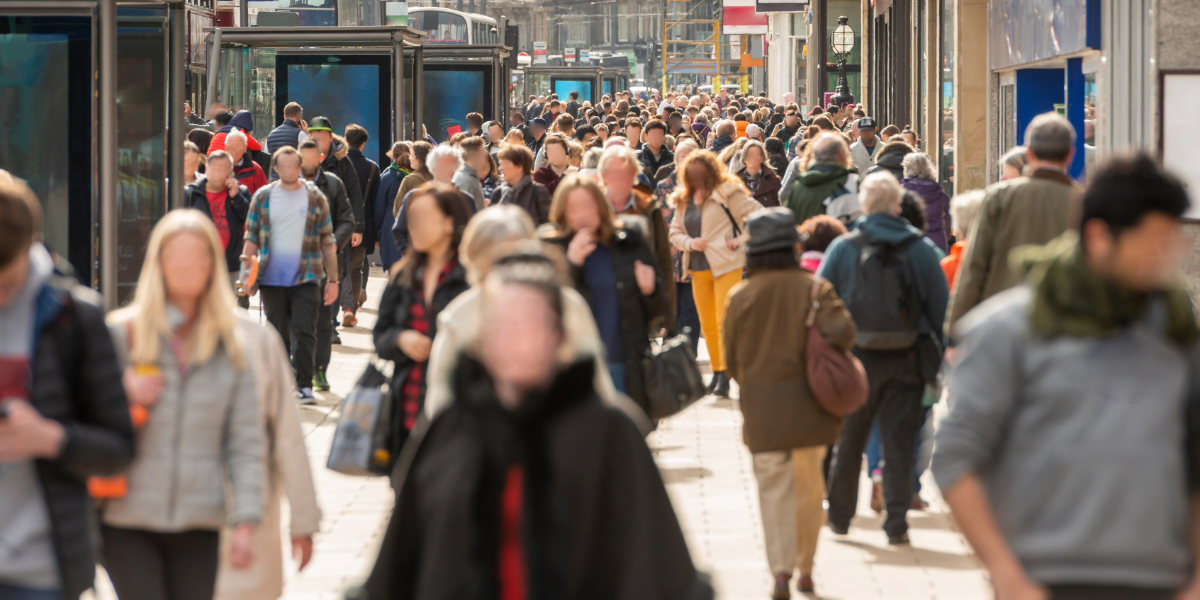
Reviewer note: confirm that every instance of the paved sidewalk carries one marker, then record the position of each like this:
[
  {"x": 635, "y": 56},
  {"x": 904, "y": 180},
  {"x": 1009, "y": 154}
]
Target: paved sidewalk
[{"x": 708, "y": 474}]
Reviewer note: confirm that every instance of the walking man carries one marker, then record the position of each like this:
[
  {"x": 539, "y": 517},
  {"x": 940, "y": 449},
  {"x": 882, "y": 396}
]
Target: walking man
[
  {"x": 891, "y": 279},
  {"x": 354, "y": 291}
]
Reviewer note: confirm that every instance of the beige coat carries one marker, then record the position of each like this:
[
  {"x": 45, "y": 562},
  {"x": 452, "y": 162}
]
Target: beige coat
[
  {"x": 288, "y": 472},
  {"x": 715, "y": 228}
]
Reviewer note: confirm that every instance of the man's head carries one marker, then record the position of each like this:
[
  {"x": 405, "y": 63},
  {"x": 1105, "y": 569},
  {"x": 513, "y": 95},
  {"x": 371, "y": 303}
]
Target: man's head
[
  {"x": 20, "y": 227},
  {"x": 633, "y": 129},
  {"x": 310, "y": 158},
  {"x": 286, "y": 163},
  {"x": 516, "y": 118},
  {"x": 541, "y": 99},
  {"x": 557, "y": 151},
  {"x": 574, "y": 95},
  {"x": 791, "y": 119},
  {"x": 585, "y": 134},
  {"x": 293, "y": 112},
  {"x": 474, "y": 122},
  {"x": 565, "y": 124},
  {"x": 1130, "y": 226},
  {"x": 753, "y": 131},
  {"x": 356, "y": 136},
  {"x": 495, "y": 131},
  {"x": 726, "y": 127},
  {"x": 1050, "y": 140},
  {"x": 537, "y": 128},
  {"x": 444, "y": 161},
  {"x": 321, "y": 130},
  {"x": 619, "y": 167},
  {"x": 830, "y": 148},
  {"x": 656, "y": 133},
  {"x": 222, "y": 119},
  {"x": 866, "y": 129},
  {"x": 474, "y": 153},
  {"x": 880, "y": 193},
  {"x": 220, "y": 166},
  {"x": 235, "y": 145}
]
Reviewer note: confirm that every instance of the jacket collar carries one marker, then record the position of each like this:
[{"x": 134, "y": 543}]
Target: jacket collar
[{"x": 1052, "y": 174}]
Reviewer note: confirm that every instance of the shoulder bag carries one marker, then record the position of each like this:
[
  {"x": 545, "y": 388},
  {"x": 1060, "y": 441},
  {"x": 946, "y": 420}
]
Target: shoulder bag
[{"x": 836, "y": 377}]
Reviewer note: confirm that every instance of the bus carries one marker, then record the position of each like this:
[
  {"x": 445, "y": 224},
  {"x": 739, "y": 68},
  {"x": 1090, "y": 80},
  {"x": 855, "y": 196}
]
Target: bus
[{"x": 446, "y": 26}]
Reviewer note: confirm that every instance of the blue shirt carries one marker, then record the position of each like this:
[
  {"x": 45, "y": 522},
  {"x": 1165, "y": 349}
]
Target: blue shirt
[{"x": 602, "y": 283}]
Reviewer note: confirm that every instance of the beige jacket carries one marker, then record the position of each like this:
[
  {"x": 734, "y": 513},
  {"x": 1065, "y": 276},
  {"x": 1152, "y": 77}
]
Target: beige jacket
[
  {"x": 458, "y": 329},
  {"x": 288, "y": 473},
  {"x": 716, "y": 228}
]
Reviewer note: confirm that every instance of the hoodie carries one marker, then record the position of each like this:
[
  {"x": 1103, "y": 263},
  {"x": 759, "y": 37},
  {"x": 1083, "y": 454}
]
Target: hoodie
[
  {"x": 806, "y": 198},
  {"x": 243, "y": 121},
  {"x": 889, "y": 158}
]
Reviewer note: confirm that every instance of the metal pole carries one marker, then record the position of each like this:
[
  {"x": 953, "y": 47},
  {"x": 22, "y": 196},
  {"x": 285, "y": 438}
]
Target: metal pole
[
  {"x": 244, "y": 13},
  {"x": 176, "y": 71},
  {"x": 418, "y": 97},
  {"x": 214, "y": 67},
  {"x": 398, "y": 101},
  {"x": 108, "y": 152}
]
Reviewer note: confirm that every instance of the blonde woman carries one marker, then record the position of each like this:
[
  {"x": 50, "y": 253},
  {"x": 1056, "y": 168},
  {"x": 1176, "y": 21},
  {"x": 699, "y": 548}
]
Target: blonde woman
[
  {"x": 710, "y": 206},
  {"x": 186, "y": 365},
  {"x": 514, "y": 136}
]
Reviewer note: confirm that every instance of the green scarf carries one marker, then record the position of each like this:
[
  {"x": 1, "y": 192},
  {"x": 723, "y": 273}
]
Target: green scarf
[
  {"x": 1071, "y": 299},
  {"x": 393, "y": 167}
]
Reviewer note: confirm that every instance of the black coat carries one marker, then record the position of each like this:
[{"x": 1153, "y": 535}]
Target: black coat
[
  {"x": 529, "y": 195},
  {"x": 77, "y": 382},
  {"x": 598, "y": 522},
  {"x": 339, "y": 208},
  {"x": 650, "y": 166},
  {"x": 638, "y": 312},
  {"x": 393, "y": 319},
  {"x": 368, "y": 179},
  {"x": 337, "y": 161},
  {"x": 236, "y": 208}
]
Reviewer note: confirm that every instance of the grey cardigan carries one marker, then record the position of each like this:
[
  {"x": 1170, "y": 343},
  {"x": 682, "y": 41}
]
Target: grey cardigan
[
  {"x": 1079, "y": 443},
  {"x": 204, "y": 432}
]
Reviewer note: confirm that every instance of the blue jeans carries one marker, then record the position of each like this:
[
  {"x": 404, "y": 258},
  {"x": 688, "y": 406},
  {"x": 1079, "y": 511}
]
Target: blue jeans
[
  {"x": 8, "y": 592},
  {"x": 685, "y": 307},
  {"x": 617, "y": 372}
]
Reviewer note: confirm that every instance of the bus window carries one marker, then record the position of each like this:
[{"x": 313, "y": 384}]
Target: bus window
[{"x": 443, "y": 28}]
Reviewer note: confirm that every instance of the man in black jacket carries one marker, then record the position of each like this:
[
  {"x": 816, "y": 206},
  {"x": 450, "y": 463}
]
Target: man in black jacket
[
  {"x": 63, "y": 412},
  {"x": 217, "y": 194},
  {"x": 654, "y": 154},
  {"x": 354, "y": 292},
  {"x": 336, "y": 193}
]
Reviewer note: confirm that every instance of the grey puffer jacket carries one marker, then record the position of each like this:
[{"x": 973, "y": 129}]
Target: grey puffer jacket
[{"x": 205, "y": 431}]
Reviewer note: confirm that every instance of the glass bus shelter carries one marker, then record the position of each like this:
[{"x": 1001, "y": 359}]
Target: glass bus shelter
[
  {"x": 461, "y": 79},
  {"x": 591, "y": 82}
]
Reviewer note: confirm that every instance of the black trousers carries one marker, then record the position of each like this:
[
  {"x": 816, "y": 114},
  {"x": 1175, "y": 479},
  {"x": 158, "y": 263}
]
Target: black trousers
[
  {"x": 353, "y": 276},
  {"x": 895, "y": 402},
  {"x": 147, "y": 565},
  {"x": 293, "y": 313}
]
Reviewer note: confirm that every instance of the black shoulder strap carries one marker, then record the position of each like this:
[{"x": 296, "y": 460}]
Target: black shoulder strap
[{"x": 737, "y": 231}]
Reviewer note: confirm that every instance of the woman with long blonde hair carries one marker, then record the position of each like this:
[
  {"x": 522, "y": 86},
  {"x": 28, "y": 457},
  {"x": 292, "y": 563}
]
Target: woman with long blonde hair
[
  {"x": 185, "y": 365},
  {"x": 710, "y": 206}
]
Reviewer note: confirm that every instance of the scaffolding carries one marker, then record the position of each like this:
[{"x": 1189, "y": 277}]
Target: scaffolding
[{"x": 691, "y": 44}]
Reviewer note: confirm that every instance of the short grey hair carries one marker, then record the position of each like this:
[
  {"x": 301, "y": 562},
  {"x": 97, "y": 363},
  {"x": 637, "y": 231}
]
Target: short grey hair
[
  {"x": 753, "y": 130},
  {"x": 1015, "y": 158},
  {"x": 442, "y": 151},
  {"x": 591, "y": 158},
  {"x": 1050, "y": 137},
  {"x": 919, "y": 165},
  {"x": 963, "y": 208},
  {"x": 621, "y": 153},
  {"x": 830, "y": 147},
  {"x": 236, "y": 134},
  {"x": 880, "y": 193}
]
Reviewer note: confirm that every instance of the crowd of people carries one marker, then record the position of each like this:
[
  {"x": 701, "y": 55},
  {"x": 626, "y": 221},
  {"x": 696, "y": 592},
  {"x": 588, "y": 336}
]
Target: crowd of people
[{"x": 531, "y": 267}]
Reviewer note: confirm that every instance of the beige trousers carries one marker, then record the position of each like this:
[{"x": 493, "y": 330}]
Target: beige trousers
[{"x": 791, "y": 490}]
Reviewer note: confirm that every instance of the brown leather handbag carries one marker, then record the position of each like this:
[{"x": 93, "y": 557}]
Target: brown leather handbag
[{"x": 836, "y": 377}]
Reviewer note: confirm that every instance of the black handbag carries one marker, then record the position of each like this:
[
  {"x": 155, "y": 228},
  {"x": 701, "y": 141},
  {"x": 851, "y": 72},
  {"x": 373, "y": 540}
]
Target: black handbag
[{"x": 673, "y": 380}]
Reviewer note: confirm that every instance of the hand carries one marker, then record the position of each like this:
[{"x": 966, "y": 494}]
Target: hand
[
  {"x": 645, "y": 277},
  {"x": 241, "y": 548},
  {"x": 231, "y": 184},
  {"x": 414, "y": 344},
  {"x": 698, "y": 245},
  {"x": 331, "y": 293},
  {"x": 302, "y": 550},
  {"x": 733, "y": 243},
  {"x": 303, "y": 125},
  {"x": 581, "y": 247},
  {"x": 1018, "y": 586},
  {"x": 143, "y": 390},
  {"x": 26, "y": 434},
  {"x": 355, "y": 239}
]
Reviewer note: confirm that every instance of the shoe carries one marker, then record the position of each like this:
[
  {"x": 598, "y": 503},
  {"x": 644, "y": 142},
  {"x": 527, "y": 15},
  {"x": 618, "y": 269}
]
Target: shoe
[
  {"x": 349, "y": 320},
  {"x": 712, "y": 383},
  {"x": 838, "y": 529},
  {"x": 336, "y": 340},
  {"x": 805, "y": 585},
  {"x": 306, "y": 396},
  {"x": 722, "y": 387},
  {"x": 899, "y": 540},
  {"x": 877, "y": 495},
  {"x": 781, "y": 587},
  {"x": 918, "y": 503},
  {"x": 320, "y": 382},
  {"x": 362, "y": 296}
]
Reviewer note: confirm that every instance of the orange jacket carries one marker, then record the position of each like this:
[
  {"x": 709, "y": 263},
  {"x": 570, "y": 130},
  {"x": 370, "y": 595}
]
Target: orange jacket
[{"x": 951, "y": 262}]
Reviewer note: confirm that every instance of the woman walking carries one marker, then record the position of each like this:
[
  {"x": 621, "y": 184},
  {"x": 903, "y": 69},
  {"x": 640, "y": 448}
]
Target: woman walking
[
  {"x": 185, "y": 364},
  {"x": 710, "y": 207},
  {"x": 757, "y": 176},
  {"x": 389, "y": 186},
  {"x": 920, "y": 178},
  {"x": 417, "y": 177}
]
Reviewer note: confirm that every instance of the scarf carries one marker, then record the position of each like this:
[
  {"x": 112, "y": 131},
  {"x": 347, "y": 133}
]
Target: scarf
[
  {"x": 1073, "y": 300},
  {"x": 400, "y": 170}
]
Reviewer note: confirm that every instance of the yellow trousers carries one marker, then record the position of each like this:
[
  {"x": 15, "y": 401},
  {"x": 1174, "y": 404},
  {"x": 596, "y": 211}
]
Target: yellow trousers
[
  {"x": 791, "y": 490},
  {"x": 710, "y": 294}
]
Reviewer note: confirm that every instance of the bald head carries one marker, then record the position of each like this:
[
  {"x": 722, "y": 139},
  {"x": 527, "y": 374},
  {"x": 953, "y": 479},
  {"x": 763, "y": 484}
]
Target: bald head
[{"x": 829, "y": 148}]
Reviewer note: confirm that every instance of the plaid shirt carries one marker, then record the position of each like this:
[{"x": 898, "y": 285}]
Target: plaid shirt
[
  {"x": 413, "y": 390},
  {"x": 662, "y": 192},
  {"x": 318, "y": 231}
]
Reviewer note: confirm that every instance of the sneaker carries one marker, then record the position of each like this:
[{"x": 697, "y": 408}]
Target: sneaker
[
  {"x": 805, "y": 585},
  {"x": 899, "y": 540},
  {"x": 838, "y": 529},
  {"x": 877, "y": 496},
  {"x": 336, "y": 339},
  {"x": 306, "y": 396},
  {"x": 918, "y": 503},
  {"x": 362, "y": 296},
  {"x": 349, "y": 320},
  {"x": 320, "y": 382}
]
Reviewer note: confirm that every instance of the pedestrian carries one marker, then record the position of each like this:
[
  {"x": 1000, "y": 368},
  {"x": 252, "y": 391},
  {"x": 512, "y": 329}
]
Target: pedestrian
[
  {"x": 963, "y": 209},
  {"x": 193, "y": 162},
  {"x": 418, "y": 176},
  {"x": 898, "y": 304},
  {"x": 612, "y": 267},
  {"x": 1027, "y": 210},
  {"x": 573, "y": 105},
  {"x": 354, "y": 294},
  {"x": 66, "y": 414},
  {"x": 557, "y": 165},
  {"x": 514, "y": 136},
  {"x": 724, "y": 136},
  {"x": 218, "y": 195},
  {"x": 419, "y": 287},
  {"x": 494, "y": 131},
  {"x": 335, "y": 152},
  {"x": 1013, "y": 163},
  {"x": 888, "y": 133},
  {"x": 185, "y": 364},
  {"x": 335, "y": 192},
  {"x": 449, "y": 165},
  {"x": 776, "y": 157},
  {"x": 290, "y": 132},
  {"x": 757, "y": 176},
  {"x": 247, "y": 172},
  {"x": 766, "y": 338},
  {"x": 1077, "y": 481},
  {"x": 790, "y": 126},
  {"x": 201, "y": 138},
  {"x": 862, "y": 151},
  {"x": 654, "y": 154},
  {"x": 297, "y": 253},
  {"x": 474, "y": 124},
  {"x": 190, "y": 117},
  {"x": 828, "y": 172},
  {"x": 711, "y": 206},
  {"x": 389, "y": 185},
  {"x": 687, "y": 319},
  {"x": 287, "y": 474},
  {"x": 518, "y": 187},
  {"x": 920, "y": 178},
  {"x": 818, "y": 233},
  {"x": 537, "y": 135},
  {"x": 479, "y": 160},
  {"x": 527, "y": 463}
]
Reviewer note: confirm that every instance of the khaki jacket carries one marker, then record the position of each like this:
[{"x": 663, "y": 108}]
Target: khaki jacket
[
  {"x": 765, "y": 350},
  {"x": 715, "y": 228},
  {"x": 1026, "y": 210},
  {"x": 410, "y": 182}
]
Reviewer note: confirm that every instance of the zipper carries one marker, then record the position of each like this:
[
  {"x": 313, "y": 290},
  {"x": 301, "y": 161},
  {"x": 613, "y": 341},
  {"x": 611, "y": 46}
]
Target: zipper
[{"x": 171, "y": 496}]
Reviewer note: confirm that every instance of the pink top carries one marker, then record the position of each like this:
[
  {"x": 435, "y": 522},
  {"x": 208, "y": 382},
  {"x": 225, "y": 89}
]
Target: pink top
[{"x": 811, "y": 260}]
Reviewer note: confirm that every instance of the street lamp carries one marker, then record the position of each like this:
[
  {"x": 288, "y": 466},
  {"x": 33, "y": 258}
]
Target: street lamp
[{"x": 841, "y": 42}]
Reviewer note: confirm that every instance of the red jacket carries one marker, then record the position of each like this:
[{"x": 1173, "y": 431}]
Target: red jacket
[{"x": 249, "y": 174}]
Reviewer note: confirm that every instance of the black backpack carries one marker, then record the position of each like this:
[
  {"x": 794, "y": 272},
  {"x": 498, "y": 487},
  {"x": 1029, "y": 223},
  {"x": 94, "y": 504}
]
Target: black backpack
[{"x": 883, "y": 299}]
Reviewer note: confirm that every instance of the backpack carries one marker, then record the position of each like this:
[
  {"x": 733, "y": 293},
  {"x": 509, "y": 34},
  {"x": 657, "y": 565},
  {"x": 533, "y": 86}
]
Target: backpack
[
  {"x": 843, "y": 204},
  {"x": 883, "y": 299}
]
